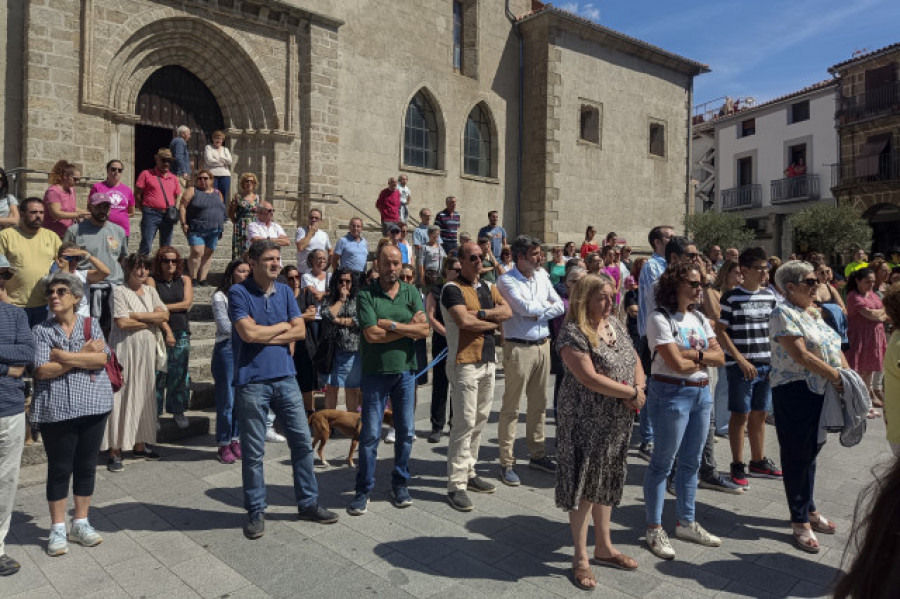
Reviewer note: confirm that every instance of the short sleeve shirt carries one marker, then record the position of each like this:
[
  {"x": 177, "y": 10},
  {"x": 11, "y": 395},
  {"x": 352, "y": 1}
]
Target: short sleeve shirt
[
  {"x": 820, "y": 340},
  {"x": 6, "y": 203},
  {"x": 257, "y": 230},
  {"x": 373, "y": 303},
  {"x": 153, "y": 196},
  {"x": 319, "y": 241},
  {"x": 31, "y": 256},
  {"x": 449, "y": 224},
  {"x": 106, "y": 242},
  {"x": 121, "y": 199},
  {"x": 353, "y": 253},
  {"x": 746, "y": 316},
  {"x": 67, "y": 203},
  {"x": 686, "y": 331},
  {"x": 496, "y": 235}
]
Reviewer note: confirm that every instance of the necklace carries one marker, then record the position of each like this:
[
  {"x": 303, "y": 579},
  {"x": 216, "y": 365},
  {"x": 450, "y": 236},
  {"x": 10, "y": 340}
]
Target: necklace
[{"x": 608, "y": 335}]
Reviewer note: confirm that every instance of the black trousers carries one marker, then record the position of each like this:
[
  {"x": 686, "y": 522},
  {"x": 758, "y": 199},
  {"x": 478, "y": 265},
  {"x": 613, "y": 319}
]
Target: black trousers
[
  {"x": 72, "y": 447},
  {"x": 797, "y": 411},
  {"x": 439, "y": 385}
]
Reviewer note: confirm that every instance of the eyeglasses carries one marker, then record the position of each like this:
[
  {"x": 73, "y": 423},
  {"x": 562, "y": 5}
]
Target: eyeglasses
[
  {"x": 693, "y": 284},
  {"x": 315, "y": 218},
  {"x": 202, "y": 178},
  {"x": 266, "y": 211},
  {"x": 116, "y": 170},
  {"x": 294, "y": 278},
  {"x": 475, "y": 258},
  {"x": 58, "y": 291},
  {"x": 346, "y": 281},
  {"x": 170, "y": 260},
  {"x": 407, "y": 278},
  {"x": 810, "y": 282},
  {"x": 6, "y": 275}
]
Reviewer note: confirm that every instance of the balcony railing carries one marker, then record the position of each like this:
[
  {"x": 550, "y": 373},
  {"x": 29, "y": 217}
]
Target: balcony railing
[
  {"x": 874, "y": 102},
  {"x": 792, "y": 189},
  {"x": 740, "y": 198},
  {"x": 888, "y": 170}
]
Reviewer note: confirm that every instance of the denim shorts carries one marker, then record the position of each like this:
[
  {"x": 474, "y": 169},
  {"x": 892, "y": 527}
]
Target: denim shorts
[
  {"x": 748, "y": 396},
  {"x": 347, "y": 370},
  {"x": 209, "y": 238}
]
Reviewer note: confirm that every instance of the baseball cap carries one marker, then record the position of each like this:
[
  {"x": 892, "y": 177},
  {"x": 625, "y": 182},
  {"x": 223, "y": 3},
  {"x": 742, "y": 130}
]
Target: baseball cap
[{"x": 99, "y": 198}]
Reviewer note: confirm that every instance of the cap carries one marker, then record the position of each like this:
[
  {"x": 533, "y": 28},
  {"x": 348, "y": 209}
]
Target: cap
[
  {"x": 164, "y": 153},
  {"x": 99, "y": 198}
]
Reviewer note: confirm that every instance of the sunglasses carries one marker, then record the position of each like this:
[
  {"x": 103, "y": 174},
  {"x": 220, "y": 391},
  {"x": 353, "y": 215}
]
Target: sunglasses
[
  {"x": 59, "y": 291},
  {"x": 170, "y": 261},
  {"x": 166, "y": 160},
  {"x": 266, "y": 211},
  {"x": 475, "y": 258},
  {"x": 294, "y": 278},
  {"x": 810, "y": 282},
  {"x": 693, "y": 284},
  {"x": 72, "y": 258},
  {"x": 116, "y": 170},
  {"x": 346, "y": 281},
  {"x": 202, "y": 178},
  {"x": 6, "y": 275}
]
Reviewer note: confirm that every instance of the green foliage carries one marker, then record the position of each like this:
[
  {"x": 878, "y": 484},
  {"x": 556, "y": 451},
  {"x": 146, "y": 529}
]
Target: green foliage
[
  {"x": 717, "y": 228},
  {"x": 830, "y": 229}
]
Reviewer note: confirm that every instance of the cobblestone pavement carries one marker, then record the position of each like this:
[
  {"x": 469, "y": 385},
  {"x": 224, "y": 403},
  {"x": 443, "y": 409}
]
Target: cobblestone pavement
[{"x": 173, "y": 528}]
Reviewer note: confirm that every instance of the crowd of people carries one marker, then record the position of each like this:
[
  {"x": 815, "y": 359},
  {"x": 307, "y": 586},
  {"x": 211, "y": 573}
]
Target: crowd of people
[{"x": 687, "y": 345}]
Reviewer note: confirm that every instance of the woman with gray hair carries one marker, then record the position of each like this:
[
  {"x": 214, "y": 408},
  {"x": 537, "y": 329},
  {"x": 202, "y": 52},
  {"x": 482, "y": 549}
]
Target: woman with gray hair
[
  {"x": 429, "y": 260},
  {"x": 72, "y": 399},
  {"x": 806, "y": 356}
]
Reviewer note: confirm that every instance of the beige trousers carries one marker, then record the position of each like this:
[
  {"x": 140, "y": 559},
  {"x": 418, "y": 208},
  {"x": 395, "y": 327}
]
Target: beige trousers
[
  {"x": 471, "y": 396},
  {"x": 525, "y": 368}
]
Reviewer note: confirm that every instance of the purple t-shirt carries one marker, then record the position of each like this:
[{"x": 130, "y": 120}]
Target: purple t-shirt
[{"x": 122, "y": 199}]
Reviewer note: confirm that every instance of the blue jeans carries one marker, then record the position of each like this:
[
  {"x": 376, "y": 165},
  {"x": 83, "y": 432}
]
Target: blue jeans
[
  {"x": 253, "y": 402},
  {"x": 748, "y": 396},
  {"x": 376, "y": 390},
  {"x": 151, "y": 222},
  {"x": 227, "y": 428},
  {"x": 720, "y": 399},
  {"x": 645, "y": 426},
  {"x": 223, "y": 184},
  {"x": 680, "y": 416}
]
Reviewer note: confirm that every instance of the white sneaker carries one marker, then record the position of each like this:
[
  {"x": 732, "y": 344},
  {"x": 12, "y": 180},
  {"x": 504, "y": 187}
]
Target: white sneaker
[
  {"x": 658, "y": 542},
  {"x": 695, "y": 533},
  {"x": 273, "y": 437},
  {"x": 391, "y": 435},
  {"x": 57, "y": 544},
  {"x": 182, "y": 421}
]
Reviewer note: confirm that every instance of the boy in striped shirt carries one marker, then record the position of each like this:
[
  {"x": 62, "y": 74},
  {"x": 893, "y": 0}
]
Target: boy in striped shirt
[{"x": 743, "y": 331}]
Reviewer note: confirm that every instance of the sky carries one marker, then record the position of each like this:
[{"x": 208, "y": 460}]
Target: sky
[{"x": 761, "y": 49}]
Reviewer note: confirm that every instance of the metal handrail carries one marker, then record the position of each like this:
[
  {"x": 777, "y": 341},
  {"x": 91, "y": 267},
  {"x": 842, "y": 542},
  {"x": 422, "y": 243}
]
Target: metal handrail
[{"x": 303, "y": 195}]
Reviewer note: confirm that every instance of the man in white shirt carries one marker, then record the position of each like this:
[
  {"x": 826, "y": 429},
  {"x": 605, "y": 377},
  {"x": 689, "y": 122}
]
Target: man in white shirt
[
  {"x": 264, "y": 228},
  {"x": 403, "y": 188},
  {"x": 526, "y": 355},
  {"x": 311, "y": 238}
]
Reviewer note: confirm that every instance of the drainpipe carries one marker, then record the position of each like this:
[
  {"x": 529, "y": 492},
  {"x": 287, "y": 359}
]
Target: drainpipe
[
  {"x": 690, "y": 135},
  {"x": 515, "y": 26}
]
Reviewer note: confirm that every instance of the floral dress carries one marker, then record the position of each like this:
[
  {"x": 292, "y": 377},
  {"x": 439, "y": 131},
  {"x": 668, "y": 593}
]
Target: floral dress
[
  {"x": 243, "y": 216},
  {"x": 593, "y": 431}
]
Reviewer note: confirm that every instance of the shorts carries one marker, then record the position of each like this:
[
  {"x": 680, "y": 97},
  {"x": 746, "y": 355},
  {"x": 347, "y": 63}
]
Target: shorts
[
  {"x": 748, "y": 396},
  {"x": 347, "y": 370},
  {"x": 209, "y": 238}
]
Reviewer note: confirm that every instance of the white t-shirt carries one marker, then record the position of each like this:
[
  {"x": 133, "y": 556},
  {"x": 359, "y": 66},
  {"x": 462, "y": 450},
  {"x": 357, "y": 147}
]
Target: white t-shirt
[
  {"x": 84, "y": 306},
  {"x": 259, "y": 230},
  {"x": 308, "y": 280},
  {"x": 319, "y": 241},
  {"x": 693, "y": 333}
]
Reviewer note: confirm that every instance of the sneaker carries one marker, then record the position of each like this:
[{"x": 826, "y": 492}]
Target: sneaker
[
  {"x": 543, "y": 463},
  {"x": 85, "y": 535},
  {"x": 359, "y": 505},
  {"x": 435, "y": 436},
  {"x": 658, "y": 542},
  {"x": 273, "y": 437},
  {"x": 57, "y": 544},
  {"x": 317, "y": 514},
  {"x": 739, "y": 475},
  {"x": 182, "y": 421},
  {"x": 477, "y": 484},
  {"x": 147, "y": 453},
  {"x": 695, "y": 533},
  {"x": 256, "y": 527},
  {"x": 226, "y": 456},
  {"x": 645, "y": 451},
  {"x": 391, "y": 435},
  {"x": 717, "y": 482},
  {"x": 459, "y": 500},
  {"x": 765, "y": 468},
  {"x": 509, "y": 477},
  {"x": 236, "y": 449},
  {"x": 115, "y": 464},
  {"x": 400, "y": 496},
  {"x": 8, "y": 566}
]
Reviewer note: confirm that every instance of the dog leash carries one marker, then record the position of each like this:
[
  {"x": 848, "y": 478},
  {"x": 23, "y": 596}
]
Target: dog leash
[{"x": 433, "y": 363}]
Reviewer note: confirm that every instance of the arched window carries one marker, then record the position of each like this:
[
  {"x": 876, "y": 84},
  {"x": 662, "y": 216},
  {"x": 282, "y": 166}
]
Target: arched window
[
  {"x": 478, "y": 144},
  {"x": 420, "y": 137}
]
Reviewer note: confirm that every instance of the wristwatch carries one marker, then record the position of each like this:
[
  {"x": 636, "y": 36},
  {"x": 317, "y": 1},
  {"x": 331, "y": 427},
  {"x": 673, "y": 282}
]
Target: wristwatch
[
  {"x": 699, "y": 356},
  {"x": 482, "y": 315},
  {"x": 393, "y": 325}
]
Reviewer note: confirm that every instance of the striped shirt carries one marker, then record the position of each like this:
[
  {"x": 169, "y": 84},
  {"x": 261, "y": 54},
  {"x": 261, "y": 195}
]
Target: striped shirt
[
  {"x": 745, "y": 315},
  {"x": 449, "y": 224}
]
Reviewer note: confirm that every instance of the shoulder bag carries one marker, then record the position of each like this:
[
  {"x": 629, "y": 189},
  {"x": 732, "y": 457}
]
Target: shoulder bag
[
  {"x": 171, "y": 214},
  {"x": 113, "y": 368}
]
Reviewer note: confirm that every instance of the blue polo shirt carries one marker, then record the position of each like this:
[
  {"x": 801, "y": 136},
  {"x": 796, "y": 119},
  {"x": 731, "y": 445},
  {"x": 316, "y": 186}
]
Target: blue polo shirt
[
  {"x": 257, "y": 362},
  {"x": 353, "y": 254}
]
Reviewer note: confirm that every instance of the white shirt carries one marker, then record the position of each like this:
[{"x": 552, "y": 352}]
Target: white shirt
[
  {"x": 319, "y": 241},
  {"x": 534, "y": 304},
  {"x": 693, "y": 333},
  {"x": 404, "y": 202},
  {"x": 256, "y": 230},
  {"x": 217, "y": 161},
  {"x": 84, "y": 305},
  {"x": 320, "y": 285}
]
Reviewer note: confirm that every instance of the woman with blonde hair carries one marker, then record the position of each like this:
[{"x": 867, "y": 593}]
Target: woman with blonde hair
[
  {"x": 242, "y": 212},
  {"x": 603, "y": 386},
  {"x": 60, "y": 204}
]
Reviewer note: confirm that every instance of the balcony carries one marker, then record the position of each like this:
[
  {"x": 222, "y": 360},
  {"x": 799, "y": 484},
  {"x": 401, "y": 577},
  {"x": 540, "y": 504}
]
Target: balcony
[
  {"x": 794, "y": 189},
  {"x": 741, "y": 198},
  {"x": 874, "y": 102},
  {"x": 882, "y": 168}
]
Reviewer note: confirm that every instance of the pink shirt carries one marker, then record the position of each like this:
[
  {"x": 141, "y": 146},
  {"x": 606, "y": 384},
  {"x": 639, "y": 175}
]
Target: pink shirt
[
  {"x": 153, "y": 195},
  {"x": 122, "y": 199},
  {"x": 66, "y": 200}
]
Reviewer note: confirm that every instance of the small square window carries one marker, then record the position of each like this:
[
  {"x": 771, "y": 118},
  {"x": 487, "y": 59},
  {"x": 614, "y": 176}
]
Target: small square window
[
  {"x": 800, "y": 111},
  {"x": 589, "y": 124},
  {"x": 748, "y": 127},
  {"x": 657, "y": 139}
]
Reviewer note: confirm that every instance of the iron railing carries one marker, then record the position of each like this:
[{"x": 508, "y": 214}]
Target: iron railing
[
  {"x": 791, "y": 189},
  {"x": 873, "y": 102},
  {"x": 888, "y": 170},
  {"x": 740, "y": 198}
]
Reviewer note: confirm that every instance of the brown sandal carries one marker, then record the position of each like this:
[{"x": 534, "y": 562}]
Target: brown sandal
[
  {"x": 802, "y": 537},
  {"x": 823, "y": 525},
  {"x": 619, "y": 561},
  {"x": 582, "y": 573}
]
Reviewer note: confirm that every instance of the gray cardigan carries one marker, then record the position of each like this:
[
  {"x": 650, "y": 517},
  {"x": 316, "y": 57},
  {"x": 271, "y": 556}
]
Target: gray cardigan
[{"x": 846, "y": 412}]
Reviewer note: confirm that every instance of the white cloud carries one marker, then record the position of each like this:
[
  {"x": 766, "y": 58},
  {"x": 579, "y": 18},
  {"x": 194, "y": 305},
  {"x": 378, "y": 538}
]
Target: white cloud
[{"x": 588, "y": 10}]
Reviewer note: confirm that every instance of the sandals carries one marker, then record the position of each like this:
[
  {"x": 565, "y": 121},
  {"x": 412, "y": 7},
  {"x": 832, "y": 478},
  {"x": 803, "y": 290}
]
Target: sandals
[
  {"x": 582, "y": 573},
  {"x": 619, "y": 561},
  {"x": 802, "y": 538},
  {"x": 822, "y": 525}
]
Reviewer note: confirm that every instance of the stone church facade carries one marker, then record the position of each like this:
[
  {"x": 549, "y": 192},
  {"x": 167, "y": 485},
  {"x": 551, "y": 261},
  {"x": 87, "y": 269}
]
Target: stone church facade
[{"x": 556, "y": 121}]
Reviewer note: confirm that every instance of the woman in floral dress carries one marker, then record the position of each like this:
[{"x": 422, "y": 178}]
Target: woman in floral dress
[{"x": 242, "y": 212}]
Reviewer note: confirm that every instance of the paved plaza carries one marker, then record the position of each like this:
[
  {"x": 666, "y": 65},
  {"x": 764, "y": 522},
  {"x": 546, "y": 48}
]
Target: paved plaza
[{"x": 173, "y": 529}]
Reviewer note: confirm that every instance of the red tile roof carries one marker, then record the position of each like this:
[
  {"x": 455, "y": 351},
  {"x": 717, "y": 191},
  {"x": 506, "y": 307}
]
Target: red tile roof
[{"x": 865, "y": 56}]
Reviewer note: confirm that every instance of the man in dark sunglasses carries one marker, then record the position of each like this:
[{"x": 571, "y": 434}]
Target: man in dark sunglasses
[{"x": 265, "y": 228}]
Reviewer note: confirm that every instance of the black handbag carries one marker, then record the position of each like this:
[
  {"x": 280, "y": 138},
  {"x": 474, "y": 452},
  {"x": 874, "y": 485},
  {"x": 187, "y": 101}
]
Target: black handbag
[{"x": 171, "y": 215}]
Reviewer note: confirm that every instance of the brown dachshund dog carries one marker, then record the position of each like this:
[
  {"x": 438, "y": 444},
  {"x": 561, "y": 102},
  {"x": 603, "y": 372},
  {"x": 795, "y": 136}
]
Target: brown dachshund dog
[{"x": 349, "y": 424}]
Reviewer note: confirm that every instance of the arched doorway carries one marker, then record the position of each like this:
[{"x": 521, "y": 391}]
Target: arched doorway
[
  {"x": 885, "y": 222},
  {"x": 173, "y": 96}
]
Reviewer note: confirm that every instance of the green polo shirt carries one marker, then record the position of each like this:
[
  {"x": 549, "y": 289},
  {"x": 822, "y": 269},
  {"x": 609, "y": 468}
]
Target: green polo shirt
[{"x": 373, "y": 303}]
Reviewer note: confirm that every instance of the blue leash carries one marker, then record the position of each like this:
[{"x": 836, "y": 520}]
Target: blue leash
[{"x": 433, "y": 363}]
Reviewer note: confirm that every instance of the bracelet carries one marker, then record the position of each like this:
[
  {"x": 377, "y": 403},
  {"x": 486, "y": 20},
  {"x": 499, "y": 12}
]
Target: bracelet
[{"x": 634, "y": 397}]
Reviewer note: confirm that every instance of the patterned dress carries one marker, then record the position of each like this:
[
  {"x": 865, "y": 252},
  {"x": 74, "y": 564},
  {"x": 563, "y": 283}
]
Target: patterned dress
[
  {"x": 868, "y": 341},
  {"x": 243, "y": 216},
  {"x": 593, "y": 431}
]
